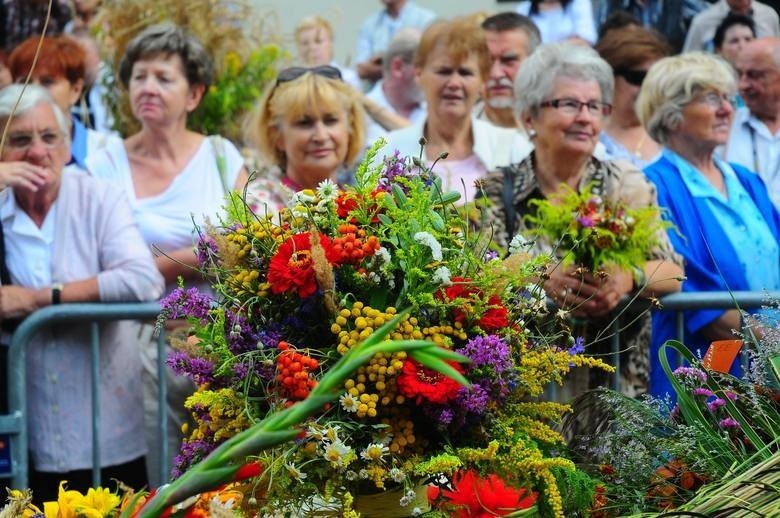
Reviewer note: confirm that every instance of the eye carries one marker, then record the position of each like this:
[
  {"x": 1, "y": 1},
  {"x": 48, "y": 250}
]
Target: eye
[
  {"x": 331, "y": 119},
  {"x": 50, "y": 138},
  {"x": 19, "y": 141},
  {"x": 509, "y": 60},
  {"x": 466, "y": 72},
  {"x": 569, "y": 104}
]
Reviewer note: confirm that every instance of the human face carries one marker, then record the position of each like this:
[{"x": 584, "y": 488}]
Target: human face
[
  {"x": 627, "y": 91},
  {"x": 159, "y": 91},
  {"x": 315, "y": 145},
  {"x": 567, "y": 134},
  {"x": 5, "y": 76},
  {"x": 706, "y": 120},
  {"x": 315, "y": 47},
  {"x": 35, "y": 137},
  {"x": 507, "y": 50},
  {"x": 759, "y": 79},
  {"x": 451, "y": 88},
  {"x": 734, "y": 40},
  {"x": 64, "y": 92}
]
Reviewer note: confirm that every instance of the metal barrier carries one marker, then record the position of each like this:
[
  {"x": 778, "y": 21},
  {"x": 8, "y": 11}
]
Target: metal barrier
[{"x": 15, "y": 423}]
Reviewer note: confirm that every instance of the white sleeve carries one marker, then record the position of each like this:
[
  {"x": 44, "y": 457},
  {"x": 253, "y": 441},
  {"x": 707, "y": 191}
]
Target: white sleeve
[{"x": 581, "y": 12}]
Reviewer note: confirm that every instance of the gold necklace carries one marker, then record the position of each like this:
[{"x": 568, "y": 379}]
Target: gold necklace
[{"x": 638, "y": 147}]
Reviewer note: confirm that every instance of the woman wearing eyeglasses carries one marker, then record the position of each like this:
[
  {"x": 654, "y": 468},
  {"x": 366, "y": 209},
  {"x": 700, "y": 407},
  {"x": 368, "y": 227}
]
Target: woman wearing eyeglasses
[
  {"x": 563, "y": 96},
  {"x": 727, "y": 229},
  {"x": 451, "y": 64},
  {"x": 308, "y": 126},
  {"x": 173, "y": 176},
  {"x": 630, "y": 52}
]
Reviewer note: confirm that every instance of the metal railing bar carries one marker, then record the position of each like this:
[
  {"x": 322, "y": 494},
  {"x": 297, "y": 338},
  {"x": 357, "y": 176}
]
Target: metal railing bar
[{"x": 94, "y": 339}]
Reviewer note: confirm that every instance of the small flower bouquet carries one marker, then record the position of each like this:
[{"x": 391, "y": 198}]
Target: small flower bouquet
[
  {"x": 594, "y": 231},
  {"x": 96, "y": 503},
  {"x": 298, "y": 290}
]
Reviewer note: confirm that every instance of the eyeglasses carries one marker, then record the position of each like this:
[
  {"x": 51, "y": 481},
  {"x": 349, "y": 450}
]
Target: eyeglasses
[
  {"x": 716, "y": 99},
  {"x": 293, "y": 73},
  {"x": 23, "y": 141},
  {"x": 573, "y": 106},
  {"x": 633, "y": 77}
]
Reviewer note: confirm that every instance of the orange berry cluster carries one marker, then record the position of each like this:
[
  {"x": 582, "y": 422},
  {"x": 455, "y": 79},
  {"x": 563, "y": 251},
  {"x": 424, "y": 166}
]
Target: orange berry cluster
[
  {"x": 294, "y": 373},
  {"x": 353, "y": 245}
]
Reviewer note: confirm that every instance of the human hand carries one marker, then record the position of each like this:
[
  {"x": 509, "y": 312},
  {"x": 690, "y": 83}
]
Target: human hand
[
  {"x": 18, "y": 301},
  {"x": 585, "y": 294},
  {"x": 22, "y": 174},
  {"x": 370, "y": 70}
]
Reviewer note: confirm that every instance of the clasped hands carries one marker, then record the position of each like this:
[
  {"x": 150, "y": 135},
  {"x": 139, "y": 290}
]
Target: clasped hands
[{"x": 585, "y": 294}]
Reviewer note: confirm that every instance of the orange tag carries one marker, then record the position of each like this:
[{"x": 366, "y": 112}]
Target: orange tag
[{"x": 721, "y": 355}]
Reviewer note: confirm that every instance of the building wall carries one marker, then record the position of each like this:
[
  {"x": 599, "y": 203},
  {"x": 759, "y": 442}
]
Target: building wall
[{"x": 347, "y": 15}]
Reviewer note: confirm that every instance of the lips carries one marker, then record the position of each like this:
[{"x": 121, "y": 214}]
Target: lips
[{"x": 321, "y": 152}]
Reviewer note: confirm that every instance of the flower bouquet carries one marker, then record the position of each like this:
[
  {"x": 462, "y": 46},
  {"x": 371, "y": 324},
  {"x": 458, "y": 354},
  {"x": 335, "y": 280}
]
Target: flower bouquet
[
  {"x": 299, "y": 290},
  {"x": 594, "y": 231}
]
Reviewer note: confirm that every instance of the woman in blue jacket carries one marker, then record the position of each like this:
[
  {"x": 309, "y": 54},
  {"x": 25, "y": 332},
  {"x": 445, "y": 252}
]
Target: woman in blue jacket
[{"x": 727, "y": 229}]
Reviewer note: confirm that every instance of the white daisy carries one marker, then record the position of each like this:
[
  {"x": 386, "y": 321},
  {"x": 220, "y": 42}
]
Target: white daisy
[
  {"x": 349, "y": 402},
  {"x": 295, "y": 472},
  {"x": 397, "y": 475},
  {"x": 327, "y": 190},
  {"x": 374, "y": 452},
  {"x": 336, "y": 453}
]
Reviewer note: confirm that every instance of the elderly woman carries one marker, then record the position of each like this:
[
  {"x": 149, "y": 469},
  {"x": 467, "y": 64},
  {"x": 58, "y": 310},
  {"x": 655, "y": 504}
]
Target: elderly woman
[
  {"x": 451, "y": 64},
  {"x": 630, "y": 52},
  {"x": 72, "y": 239},
  {"x": 60, "y": 67},
  {"x": 563, "y": 94},
  {"x": 685, "y": 104},
  {"x": 172, "y": 175},
  {"x": 309, "y": 125}
]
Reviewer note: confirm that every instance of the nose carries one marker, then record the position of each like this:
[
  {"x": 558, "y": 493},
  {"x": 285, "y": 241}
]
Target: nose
[
  {"x": 319, "y": 130},
  {"x": 37, "y": 149},
  {"x": 496, "y": 70}
]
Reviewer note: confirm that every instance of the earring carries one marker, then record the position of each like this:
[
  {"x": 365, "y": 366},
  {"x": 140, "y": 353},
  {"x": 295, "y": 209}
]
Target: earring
[{"x": 531, "y": 133}]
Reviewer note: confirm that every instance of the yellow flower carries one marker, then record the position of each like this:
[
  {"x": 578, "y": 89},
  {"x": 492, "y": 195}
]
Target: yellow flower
[
  {"x": 233, "y": 63},
  {"x": 101, "y": 500},
  {"x": 65, "y": 506}
]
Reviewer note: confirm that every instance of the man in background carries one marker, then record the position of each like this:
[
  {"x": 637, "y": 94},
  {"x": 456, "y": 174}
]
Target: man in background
[
  {"x": 754, "y": 141},
  {"x": 377, "y": 32},
  {"x": 511, "y": 37}
]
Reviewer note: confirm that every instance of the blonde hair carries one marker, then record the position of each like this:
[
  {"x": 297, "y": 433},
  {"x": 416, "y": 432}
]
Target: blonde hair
[
  {"x": 672, "y": 83},
  {"x": 313, "y": 22},
  {"x": 309, "y": 93}
]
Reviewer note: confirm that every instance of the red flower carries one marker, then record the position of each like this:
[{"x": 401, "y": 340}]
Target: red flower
[
  {"x": 346, "y": 202},
  {"x": 248, "y": 470},
  {"x": 493, "y": 319},
  {"x": 423, "y": 384},
  {"x": 472, "y": 496},
  {"x": 292, "y": 268}
]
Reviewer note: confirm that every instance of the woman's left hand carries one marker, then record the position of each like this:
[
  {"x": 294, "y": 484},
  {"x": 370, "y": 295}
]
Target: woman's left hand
[{"x": 18, "y": 301}]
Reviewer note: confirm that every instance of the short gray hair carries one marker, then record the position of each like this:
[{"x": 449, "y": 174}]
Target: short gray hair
[
  {"x": 29, "y": 97},
  {"x": 672, "y": 83},
  {"x": 552, "y": 61},
  {"x": 403, "y": 45},
  {"x": 169, "y": 39}
]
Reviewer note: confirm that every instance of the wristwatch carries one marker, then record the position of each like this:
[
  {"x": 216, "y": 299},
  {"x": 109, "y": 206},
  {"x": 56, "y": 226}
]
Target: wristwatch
[{"x": 56, "y": 293}]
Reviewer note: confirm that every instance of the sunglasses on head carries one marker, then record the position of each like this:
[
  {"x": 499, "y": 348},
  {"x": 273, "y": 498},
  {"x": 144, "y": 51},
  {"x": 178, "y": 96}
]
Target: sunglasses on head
[
  {"x": 634, "y": 77},
  {"x": 293, "y": 73}
]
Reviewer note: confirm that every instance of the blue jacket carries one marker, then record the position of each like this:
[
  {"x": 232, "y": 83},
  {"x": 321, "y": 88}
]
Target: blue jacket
[{"x": 702, "y": 243}]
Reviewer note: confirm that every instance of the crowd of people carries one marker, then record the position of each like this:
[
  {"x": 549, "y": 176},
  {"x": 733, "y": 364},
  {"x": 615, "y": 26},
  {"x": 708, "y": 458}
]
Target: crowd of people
[{"x": 521, "y": 104}]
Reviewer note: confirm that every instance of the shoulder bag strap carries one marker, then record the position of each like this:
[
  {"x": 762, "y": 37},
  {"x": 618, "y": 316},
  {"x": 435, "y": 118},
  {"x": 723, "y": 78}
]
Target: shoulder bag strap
[
  {"x": 510, "y": 214},
  {"x": 219, "y": 153}
]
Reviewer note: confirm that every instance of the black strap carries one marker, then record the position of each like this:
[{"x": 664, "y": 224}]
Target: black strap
[{"x": 508, "y": 196}]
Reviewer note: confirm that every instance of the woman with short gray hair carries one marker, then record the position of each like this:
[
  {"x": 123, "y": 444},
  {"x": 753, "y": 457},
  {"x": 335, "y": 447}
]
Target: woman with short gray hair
[
  {"x": 723, "y": 217},
  {"x": 563, "y": 94}
]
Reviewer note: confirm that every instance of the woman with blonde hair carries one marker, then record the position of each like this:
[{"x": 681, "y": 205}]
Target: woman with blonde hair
[
  {"x": 451, "y": 64},
  {"x": 725, "y": 225},
  {"x": 308, "y": 126},
  {"x": 314, "y": 39}
]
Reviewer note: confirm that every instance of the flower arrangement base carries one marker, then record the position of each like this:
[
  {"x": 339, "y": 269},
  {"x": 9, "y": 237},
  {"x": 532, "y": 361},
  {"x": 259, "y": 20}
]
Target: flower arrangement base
[{"x": 386, "y": 504}]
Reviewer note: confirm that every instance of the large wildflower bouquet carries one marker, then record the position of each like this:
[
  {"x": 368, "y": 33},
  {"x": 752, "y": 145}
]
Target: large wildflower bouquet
[
  {"x": 298, "y": 290},
  {"x": 594, "y": 231}
]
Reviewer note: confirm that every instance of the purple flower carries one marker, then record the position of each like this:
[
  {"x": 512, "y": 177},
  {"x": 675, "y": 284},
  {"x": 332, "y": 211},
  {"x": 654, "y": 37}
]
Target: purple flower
[
  {"x": 732, "y": 395},
  {"x": 578, "y": 347},
  {"x": 199, "y": 370},
  {"x": 488, "y": 350},
  {"x": 181, "y": 303},
  {"x": 206, "y": 250},
  {"x": 474, "y": 399},
  {"x": 241, "y": 337},
  {"x": 691, "y": 373},
  {"x": 715, "y": 404},
  {"x": 728, "y": 422},
  {"x": 701, "y": 391},
  {"x": 490, "y": 255},
  {"x": 192, "y": 451},
  {"x": 585, "y": 221}
]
